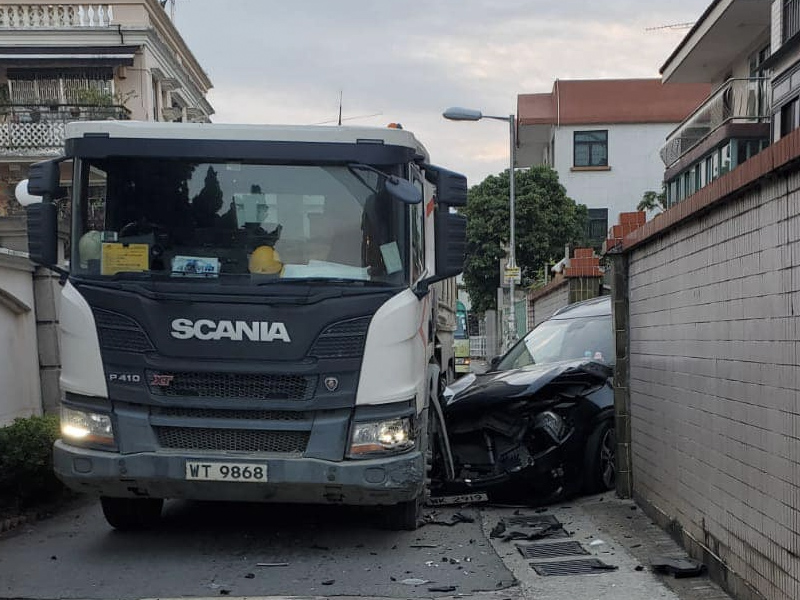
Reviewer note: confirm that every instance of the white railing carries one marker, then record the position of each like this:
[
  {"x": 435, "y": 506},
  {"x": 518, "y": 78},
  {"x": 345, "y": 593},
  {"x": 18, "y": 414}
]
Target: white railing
[
  {"x": 736, "y": 100},
  {"x": 32, "y": 16},
  {"x": 40, "y": 130},
  {"x": 477, "y": 346}
]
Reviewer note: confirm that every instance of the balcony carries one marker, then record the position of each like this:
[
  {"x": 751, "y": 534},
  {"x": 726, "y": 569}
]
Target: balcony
[
  {"x": 38, "y": 130},
  {"x": 735, "y": 101},
  {"x": 36, "y": 16}
]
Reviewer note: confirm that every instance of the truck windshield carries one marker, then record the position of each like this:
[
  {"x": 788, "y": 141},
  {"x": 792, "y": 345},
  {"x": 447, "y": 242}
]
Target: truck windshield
[{"x": 147, "y": 217}]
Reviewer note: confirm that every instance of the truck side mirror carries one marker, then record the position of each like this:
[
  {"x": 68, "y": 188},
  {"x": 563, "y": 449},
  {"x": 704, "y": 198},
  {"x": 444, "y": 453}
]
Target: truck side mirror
[
  {"x": 451, "y": 187},
  {"x": 44, "y": 178},
  {"x": 43, "y": 233},
  {"x": 451, "y": 242}
]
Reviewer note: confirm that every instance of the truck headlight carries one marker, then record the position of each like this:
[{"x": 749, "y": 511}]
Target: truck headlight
[
  {"x": 381, "y": 437},
  {"x": 86, "y": 428}
]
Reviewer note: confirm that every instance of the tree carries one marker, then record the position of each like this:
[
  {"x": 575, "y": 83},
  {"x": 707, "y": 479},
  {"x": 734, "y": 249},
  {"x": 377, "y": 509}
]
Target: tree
[
  {"x": 653, "y": 201},
  {"x": 546, "y": 220}
]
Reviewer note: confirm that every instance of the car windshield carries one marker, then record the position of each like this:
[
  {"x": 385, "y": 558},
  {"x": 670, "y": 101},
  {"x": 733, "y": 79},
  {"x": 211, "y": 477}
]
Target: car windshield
[
  {"x": 563, "y": 339},
  {"x": 209, "y": 220}
]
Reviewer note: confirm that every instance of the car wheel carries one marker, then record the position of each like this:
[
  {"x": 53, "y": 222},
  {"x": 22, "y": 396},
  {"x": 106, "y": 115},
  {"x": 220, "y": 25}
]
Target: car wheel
[
  {"x": 132, "y": 514},
  {"x": 601, "y": 458}
]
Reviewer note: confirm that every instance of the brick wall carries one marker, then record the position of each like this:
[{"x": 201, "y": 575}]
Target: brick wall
[
  {"x": 580, "y": 281},
  {"x": 714, "y": 376}
]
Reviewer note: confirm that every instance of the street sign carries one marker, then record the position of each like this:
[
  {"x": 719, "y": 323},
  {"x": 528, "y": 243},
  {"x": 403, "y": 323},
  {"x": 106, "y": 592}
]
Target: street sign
[{"x": 512, "y": 273}]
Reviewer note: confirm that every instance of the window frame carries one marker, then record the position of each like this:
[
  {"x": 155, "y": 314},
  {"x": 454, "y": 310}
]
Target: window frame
[{"x": 590, "y": 145}]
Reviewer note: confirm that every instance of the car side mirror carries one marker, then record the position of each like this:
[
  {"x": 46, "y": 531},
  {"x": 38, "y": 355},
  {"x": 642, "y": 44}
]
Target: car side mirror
[{"x": 495, "y": 362}]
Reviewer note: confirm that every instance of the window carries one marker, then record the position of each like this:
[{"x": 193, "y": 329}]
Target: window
[
  {"x": 591, "y": 148},
  {"x": 789, "y": 116},
  {"x": 791, "y": 18}
]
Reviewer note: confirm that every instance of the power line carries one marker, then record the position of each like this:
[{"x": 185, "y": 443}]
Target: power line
[{"x": 688, "y": 25}]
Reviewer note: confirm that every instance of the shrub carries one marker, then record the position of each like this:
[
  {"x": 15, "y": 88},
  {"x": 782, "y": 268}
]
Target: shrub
[{"x": 26, "y": 462}]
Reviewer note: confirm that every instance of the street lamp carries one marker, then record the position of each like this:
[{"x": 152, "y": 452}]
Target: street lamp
[{"x": 468, "y": 114}]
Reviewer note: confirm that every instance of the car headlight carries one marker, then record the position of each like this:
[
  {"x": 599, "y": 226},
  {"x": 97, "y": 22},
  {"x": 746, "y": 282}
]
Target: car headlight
[
  {"x": 381, "y": 437},
  {"x": 86, "y": 428}
]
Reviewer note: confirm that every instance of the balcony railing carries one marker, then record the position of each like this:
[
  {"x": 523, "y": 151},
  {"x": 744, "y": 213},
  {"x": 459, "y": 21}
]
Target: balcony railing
[
  {"x": 736, "y": 100},
  {"x": 38, "y": 130},
  {"x": 32, "y": 16}
]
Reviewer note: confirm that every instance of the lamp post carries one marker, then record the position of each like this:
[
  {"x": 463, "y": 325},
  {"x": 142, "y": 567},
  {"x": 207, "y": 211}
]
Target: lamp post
[{"x": 469, "y": 114}]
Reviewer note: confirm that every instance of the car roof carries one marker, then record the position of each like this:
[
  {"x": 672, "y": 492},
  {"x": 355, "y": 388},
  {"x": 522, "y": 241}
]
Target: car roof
[{"x": 594, "y": 307}]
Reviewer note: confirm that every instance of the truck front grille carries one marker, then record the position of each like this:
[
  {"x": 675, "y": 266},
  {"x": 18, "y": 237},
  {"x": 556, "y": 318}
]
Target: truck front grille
[
  {"x": 231, "y": 385},
  {"x": 233, "y": 440},
  {"x": 342, "y": 340}
]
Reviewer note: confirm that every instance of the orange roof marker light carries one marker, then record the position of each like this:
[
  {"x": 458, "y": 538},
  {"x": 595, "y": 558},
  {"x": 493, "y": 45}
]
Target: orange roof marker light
[{"x": 394, "y": 126}]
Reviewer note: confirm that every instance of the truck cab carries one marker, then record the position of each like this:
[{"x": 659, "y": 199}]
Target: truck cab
[{"x": 249, "y": 313}]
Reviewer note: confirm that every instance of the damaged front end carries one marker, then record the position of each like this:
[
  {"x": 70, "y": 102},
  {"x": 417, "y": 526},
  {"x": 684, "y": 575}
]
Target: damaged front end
[{"x": 523, "y": 433}]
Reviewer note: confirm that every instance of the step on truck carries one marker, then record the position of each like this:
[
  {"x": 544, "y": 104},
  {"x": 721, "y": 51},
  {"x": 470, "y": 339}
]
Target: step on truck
[{"x": 250, "y": 313}]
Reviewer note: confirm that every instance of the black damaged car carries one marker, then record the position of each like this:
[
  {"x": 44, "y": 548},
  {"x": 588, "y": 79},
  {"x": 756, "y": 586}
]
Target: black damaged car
[{"x": 538, "y": 426}]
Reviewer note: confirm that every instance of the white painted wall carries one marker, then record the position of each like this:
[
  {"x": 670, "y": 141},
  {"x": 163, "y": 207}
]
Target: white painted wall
[
  {"x": 19, "y": 362},
  {"x": 634, "y": 160}
]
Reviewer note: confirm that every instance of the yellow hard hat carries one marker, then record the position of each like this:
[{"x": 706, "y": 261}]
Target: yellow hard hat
[{"x": 265, "y": 259}]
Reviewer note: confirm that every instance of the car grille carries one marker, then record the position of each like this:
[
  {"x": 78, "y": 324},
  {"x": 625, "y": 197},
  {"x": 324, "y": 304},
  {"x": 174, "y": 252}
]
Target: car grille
[
  {"x": 120, "y": 333},
  {"x": 342, "y": 340},
  {"x": 232, "y": 385},
  {"x": 233, "y": 440}
]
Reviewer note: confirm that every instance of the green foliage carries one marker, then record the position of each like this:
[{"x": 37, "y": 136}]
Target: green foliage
[
  {"x": 26, "y": 462},
  {"x": 546, "y": 220},
  {"x": 653, "y": 201}
]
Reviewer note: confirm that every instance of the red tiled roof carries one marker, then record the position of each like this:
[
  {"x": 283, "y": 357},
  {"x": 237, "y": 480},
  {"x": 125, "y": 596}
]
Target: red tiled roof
[{"x": 595, "y": 101}]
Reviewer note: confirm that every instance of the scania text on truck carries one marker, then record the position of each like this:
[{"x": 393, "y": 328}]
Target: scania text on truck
[{"x": 250, "y": 313}]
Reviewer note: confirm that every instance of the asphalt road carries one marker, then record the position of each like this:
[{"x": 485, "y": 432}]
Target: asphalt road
[{"x": 214, "y": 549}]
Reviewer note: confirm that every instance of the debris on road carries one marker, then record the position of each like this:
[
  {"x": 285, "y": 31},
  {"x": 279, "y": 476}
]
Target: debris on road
[
  {"x": 457, "y": 518},
  {"x": 414, "y": 581},
  {"x": 424, "y": 546},
  {"x": 442, "y": 588},
  {"x": 497, "y": 530},
  {"x": 596, "y": 543},
  {"x": 250, "y": 576},
  {"x": 276, "y": 564},
  {"x": 678, "y": 567},
  {"x": 329, "y": 582}
]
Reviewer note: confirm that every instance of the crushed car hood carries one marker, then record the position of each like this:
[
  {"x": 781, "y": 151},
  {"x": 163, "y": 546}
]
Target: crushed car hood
[{"x": 568, "y": 378}]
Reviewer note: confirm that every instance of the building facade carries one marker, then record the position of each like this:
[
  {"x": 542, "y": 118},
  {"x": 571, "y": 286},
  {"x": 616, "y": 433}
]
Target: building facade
[
  {"x": 60, "y": 62},
  {"x": 603, "y": 136},
  {"x": 728, "y": 48}
]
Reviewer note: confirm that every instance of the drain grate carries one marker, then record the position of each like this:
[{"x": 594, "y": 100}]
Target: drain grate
[
  {"x": 551, "y": 550},
  {"x": 580, "y": 566},
  {"x": 533, "y": 520}
]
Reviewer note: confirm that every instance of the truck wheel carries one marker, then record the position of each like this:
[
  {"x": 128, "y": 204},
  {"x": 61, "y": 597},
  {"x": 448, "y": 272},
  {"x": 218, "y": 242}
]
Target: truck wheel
[
  {"x": 132, "y": 514},
  {"x": 404, "y": 516}
]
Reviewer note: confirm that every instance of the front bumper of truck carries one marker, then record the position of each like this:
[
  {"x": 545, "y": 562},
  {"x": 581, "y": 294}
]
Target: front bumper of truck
[{"x": 381, "y": 481}]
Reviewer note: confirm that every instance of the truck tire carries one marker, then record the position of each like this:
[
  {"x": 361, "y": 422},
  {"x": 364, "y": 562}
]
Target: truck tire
[
  {"x": 132, "y": 514},
  {"x": 407, "y": 516}
]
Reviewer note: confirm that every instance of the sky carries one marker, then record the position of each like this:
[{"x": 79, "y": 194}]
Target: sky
[{"x": 287, "y": 62}]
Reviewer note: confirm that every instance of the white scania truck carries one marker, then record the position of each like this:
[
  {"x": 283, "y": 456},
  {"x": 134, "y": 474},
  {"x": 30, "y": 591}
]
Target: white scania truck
[{"x": 255, "y": 313}]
